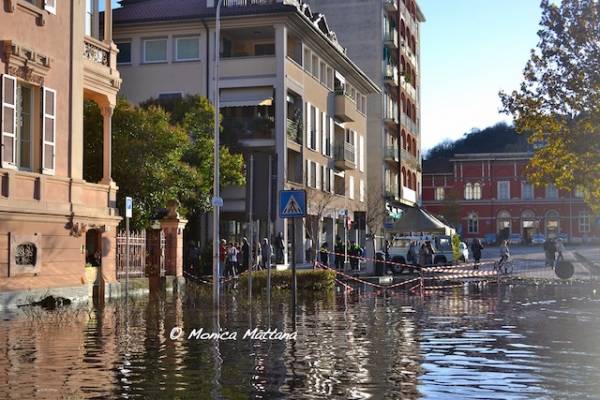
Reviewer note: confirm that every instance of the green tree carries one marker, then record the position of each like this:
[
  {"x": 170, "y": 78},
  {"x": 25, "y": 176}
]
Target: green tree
[
  {"x": 155, "y": 160},
  {"x": 558, "y": 102}
]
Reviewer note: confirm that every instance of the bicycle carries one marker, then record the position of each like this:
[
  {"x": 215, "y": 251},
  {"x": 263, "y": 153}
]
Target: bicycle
[{"x": 504, "y": 266}]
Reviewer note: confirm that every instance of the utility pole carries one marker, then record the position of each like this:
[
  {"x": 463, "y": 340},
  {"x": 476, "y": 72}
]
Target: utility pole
[{"x": 217, "y": 202}]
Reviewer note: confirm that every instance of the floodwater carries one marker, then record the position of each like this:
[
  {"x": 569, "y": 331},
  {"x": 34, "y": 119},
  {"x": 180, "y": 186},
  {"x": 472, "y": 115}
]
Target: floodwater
[{"x": 512, "y": 342}]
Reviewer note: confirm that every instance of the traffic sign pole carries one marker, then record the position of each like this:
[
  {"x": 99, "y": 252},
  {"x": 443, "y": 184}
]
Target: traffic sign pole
[{"x": 128, "y": 214}]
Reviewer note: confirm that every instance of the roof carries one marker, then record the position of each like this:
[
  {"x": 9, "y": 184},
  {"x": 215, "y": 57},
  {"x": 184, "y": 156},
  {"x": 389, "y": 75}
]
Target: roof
[
  {"x": 437, "y": 166},
  {"x": 417, "y": 219}
]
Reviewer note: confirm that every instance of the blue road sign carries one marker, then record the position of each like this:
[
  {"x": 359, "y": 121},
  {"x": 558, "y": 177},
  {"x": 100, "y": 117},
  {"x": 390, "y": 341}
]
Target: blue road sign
[
  {"x": 128, "y": 207},
  {"x": 292, "y": 203}
]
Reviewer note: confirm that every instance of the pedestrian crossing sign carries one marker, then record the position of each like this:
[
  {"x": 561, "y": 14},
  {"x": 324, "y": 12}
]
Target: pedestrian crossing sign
[{"x": 292, "y": 203}]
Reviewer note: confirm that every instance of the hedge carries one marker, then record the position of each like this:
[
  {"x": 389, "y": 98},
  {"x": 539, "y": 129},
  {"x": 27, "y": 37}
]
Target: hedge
[{"x": 315, "y": 280}]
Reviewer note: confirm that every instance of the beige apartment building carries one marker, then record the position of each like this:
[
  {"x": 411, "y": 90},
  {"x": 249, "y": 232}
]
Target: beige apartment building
[
  {"x": 383, "y": 39},
  {"x": 53, "y": 56},
  {"x": 293, "y": 102}
]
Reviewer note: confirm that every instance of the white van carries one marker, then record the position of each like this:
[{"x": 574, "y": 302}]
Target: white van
[{"x": 441, "y": 244}]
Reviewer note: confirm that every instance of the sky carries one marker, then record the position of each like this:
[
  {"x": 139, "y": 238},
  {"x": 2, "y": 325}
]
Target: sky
[{"x": 470, "y": 50}]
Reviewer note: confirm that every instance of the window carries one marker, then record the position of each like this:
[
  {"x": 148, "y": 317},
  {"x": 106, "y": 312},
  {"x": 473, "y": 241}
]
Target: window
[
  {"x": 329, "y": 82},
  {"x": 264, "y": 49},
  {"x": 551, "y": 191},
  {"x": 313, "y": 174},
  {"x": 48, "y": 130},
  {"x": 361, "y": 153},
  {"x": 468, "y": 191},
  {"x": 584, "y": 222},
  {"x": 527, "y": 191},
  {"x": 440, "y": 193},
  {"x": 323, "y": 76},
  {"x": 89, "y": 17},
  {"x": 326, "y": 179},
  {"x": 361, "y": 191},
  {"x": 328, "y": 134},
  {"x": 306, "y": 60},
  {"x": 155, "y": 50},
  {"x": 24, "y": 127},
  {"x": 476, "y": 188},
  {"x": 124, "y": 55},
  {"x": 473, "y": 223},
  {"x": 312, "y": 138},
  {"x": 50, "y": 6},
  {"x": 351, "y": 188},
  {"x": 187, "y": 48},
  {"x": 315, "y": 66},
  {"x": 503, "y": 190}
]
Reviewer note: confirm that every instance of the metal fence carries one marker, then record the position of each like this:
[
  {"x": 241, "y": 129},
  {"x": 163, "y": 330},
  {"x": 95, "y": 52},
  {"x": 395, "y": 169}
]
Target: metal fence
[{"x": 147, "y": 254}]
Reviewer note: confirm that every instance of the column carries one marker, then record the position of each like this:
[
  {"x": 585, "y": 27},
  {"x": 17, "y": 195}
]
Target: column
[
  {"x": 107, "y": 22},
  {"x": 173, "y": 227},
  {"x": 281, "y": 225},
  {"x": 107, "y": 112}
]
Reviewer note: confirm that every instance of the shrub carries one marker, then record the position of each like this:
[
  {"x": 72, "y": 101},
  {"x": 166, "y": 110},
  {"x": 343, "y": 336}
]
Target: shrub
[{"x": 315, "y": 280}]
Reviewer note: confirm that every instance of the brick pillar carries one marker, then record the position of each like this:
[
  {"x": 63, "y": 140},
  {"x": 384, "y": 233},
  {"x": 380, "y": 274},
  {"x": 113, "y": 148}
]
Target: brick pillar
[{"x": 173, "y": 227}]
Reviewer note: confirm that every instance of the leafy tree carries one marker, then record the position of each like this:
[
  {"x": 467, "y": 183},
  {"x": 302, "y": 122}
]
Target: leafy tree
[
  {"x": 558, "y": 101},
  {"x": 155, "y": 160}
]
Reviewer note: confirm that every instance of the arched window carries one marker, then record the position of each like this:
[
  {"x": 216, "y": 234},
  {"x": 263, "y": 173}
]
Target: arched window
[
  {"x": 414, "y": 147},
  {"x": 409, "y": 144},
  {"x": 504, "y": 224},
  {"x": 552, "y": 223},
  {"x": 403, "y": 139},
  {"x": 468, "y": 191},
  {"x": 409, "y": 180},
  {"x": 477, "y": 191},
  {"x": 403, "y": 176},
  {"x": 414, "y": 181},
  {"x": 473, "y": 223}
]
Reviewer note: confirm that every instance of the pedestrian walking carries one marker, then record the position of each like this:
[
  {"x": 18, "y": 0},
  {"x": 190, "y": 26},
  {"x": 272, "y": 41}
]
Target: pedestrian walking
[
  {"x": 340, "y": 250},
  {"x": 232, "y": 260},
  {"x": 550, "y": 251},
  {"x": 504, "y": 252},
  {"x": 266, "y": 253},
  {"x": 430, "y": 252},
  {"x": 476, "y": 247},
  {"x": 560, "y": 249},
  {"x": 279, "y": 248}
]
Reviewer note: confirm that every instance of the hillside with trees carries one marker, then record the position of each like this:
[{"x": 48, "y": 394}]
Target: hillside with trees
[{"x": 500, "y": 138}]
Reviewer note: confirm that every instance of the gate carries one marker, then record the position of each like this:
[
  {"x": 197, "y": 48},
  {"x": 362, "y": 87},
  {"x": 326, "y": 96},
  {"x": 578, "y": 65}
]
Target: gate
[{"x": 147, "y": 254}]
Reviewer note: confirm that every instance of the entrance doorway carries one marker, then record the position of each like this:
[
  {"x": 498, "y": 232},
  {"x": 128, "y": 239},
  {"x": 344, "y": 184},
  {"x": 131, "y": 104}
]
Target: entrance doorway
[
  {"x": 528, "y": 225},
  {"x": 93, "y": 247},
  {"x": 504, "y": 225}
]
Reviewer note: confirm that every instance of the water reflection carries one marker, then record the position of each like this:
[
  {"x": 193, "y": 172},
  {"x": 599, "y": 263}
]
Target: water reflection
[{"x": 519, "y": 342}]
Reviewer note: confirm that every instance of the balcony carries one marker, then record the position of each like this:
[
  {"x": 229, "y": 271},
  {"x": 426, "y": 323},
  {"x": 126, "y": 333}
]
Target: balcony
[
  {"x": 390, "y": 74},
  {"x": 409, "y": 195},
  {"x": 390, "y": 118},
  {"x": 345, "y": 107},
  {"x": 99, "y": 62},
  {"x": 391, "y": 192},
  {"x": 344, "y": 156},
  {"x": 409, "y": 160},
  {"x": 390, "y": 5},
  {"x": 256, "y": 131},
  {"x": 409, "y": 123},
  {"x": 391, "y": 153},
  {"x": 390, "y": 39}
]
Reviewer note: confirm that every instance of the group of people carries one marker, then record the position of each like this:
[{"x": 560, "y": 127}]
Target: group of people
[
  {"x": 235, "y": 257},
  {"x": 354, "y": 252}
]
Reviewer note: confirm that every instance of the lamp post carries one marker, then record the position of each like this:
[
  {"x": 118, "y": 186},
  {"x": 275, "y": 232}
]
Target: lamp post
[{"x": 217, "y": 202}]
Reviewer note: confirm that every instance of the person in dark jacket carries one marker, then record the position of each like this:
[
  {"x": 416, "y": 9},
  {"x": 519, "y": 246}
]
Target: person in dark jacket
[
  {"x": 550, "y": 250},
  {"x": 476, "y": 248},
  {"x": 324, "y": 254},
  {"x": 339, "y": 249},
  {"x": 245, "y": 255},
  {"x": 354, "y": 251}
]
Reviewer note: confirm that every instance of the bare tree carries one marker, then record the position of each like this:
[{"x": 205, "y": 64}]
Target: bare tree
[
  {"x": 319, "y": 206},
  {"x": 376, "y": 212}
]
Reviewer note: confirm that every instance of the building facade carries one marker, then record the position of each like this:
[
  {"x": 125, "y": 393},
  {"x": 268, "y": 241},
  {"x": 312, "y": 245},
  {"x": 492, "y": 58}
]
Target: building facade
[
  {"x": 383, "y": 38},
  {"x": 54, "y": 55},
  {"x": 488, "y": 194},
  {"x": 292, "y": 101}
]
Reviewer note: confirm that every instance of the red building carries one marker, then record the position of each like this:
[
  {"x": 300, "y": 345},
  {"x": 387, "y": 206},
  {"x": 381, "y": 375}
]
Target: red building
[{"x": 488, "y": 194}]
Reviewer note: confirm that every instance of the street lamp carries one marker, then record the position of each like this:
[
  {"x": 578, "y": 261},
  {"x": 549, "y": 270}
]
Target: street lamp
[{"x": 217, "y": 202}]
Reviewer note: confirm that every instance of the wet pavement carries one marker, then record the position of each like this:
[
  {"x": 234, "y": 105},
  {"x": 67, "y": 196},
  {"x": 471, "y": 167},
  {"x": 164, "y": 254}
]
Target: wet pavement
[{"x": 516, "y": 341}]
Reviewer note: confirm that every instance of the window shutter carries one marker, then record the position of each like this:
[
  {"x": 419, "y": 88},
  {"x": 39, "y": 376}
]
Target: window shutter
[
  {"x": 324, "y": 133},
  {"x": 48, "y": 131},
  {"x": 331, "y": 136},
  {"x": 361, "y": 152},
  {"x": 50, "y": 6},
  {"x": 9, "y": 121},
  {"x": 316, "y": 129},
  {"x": 331, "y": 181},
  {"x": 308, "y": 124}
]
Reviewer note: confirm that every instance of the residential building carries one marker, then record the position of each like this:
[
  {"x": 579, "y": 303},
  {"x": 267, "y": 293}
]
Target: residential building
[
  {"x": 293, "y": 103},
  {"x": 489, "y": 194},
  {"x": 383, "y": 38},
  {"x": 54, "y": 55}
]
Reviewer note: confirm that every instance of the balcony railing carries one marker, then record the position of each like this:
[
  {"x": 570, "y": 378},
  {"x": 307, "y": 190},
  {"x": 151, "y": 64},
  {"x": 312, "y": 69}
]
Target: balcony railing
[
  {"x": 242, "y": 3},
  {"x": 390, "y": 38},
  {"x": 409, "y": 159},
  {"x": 409, "y": 123},
  {"x": 96, "y": 51},
  {"x": 391, "y": 192},
  {"x": 391, "y": 153},
  {"x": 344, "y": 156},
  {"x": 391, "y": 74}
]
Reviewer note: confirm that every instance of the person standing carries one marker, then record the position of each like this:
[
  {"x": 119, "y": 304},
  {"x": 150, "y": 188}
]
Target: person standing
[
  {"x": 266, "y": 253},
  {"x": 560, "y": 249},
  {"x": 476, "y": 248},
  {"x": 354, "y": 253},
  {"x": 245, "y": 255},
  {"x": 308, "y": 248},
  {"x": 504, "y": 252},
  {"x": 324, "y": 254},
  {"x": 232, "y": 260},
  {"x": 412, "y": 255},
  {"x": 423, "y": 257},
  {"x": 223, "y": 256},
  {"x": 550, "y": 250},
  {"x": 430, "y": 253},
  {"x": 279, "y": 248},
  {"x": 340, "y": 250}
]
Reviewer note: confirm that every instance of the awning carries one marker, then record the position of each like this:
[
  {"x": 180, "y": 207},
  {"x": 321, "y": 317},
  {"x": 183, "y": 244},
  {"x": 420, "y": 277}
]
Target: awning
[
  {"x": 246, "y": 97},
  {"x": 416, "y": 219}
]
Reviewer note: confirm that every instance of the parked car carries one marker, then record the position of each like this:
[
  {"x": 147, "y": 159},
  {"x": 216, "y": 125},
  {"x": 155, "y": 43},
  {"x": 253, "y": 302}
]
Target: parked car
[
  {"x": 515, "y": 238},
  {"x": 538, "y": 239},
  {"x": 564, "y": 237},
  {"x": 464, "y": 252},
  {"x": 490, "y": 239},
  {"x": 442, "y": 246}
]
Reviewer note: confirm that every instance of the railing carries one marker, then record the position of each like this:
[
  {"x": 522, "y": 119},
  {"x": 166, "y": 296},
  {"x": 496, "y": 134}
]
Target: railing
[
  {"x": 391, "y": 73},
  {"x": 294, "y": 131},
  {"x": 137, "y": 254},
  {"x": 409, "y": 159},
  {"x": 391, "y": 37},
  {"x": 242, "y": 3},
  {"x": 250, "y": 128},
  {"x": 96, "y": 52},
  {"x": 345, "y": 152},
  {"x": 409, "y": 123},
  {"x": 391, "y": 153}
]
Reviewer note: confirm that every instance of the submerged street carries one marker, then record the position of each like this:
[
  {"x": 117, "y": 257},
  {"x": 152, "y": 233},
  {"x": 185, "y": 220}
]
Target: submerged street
[{"x": 511, "y": 342}]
